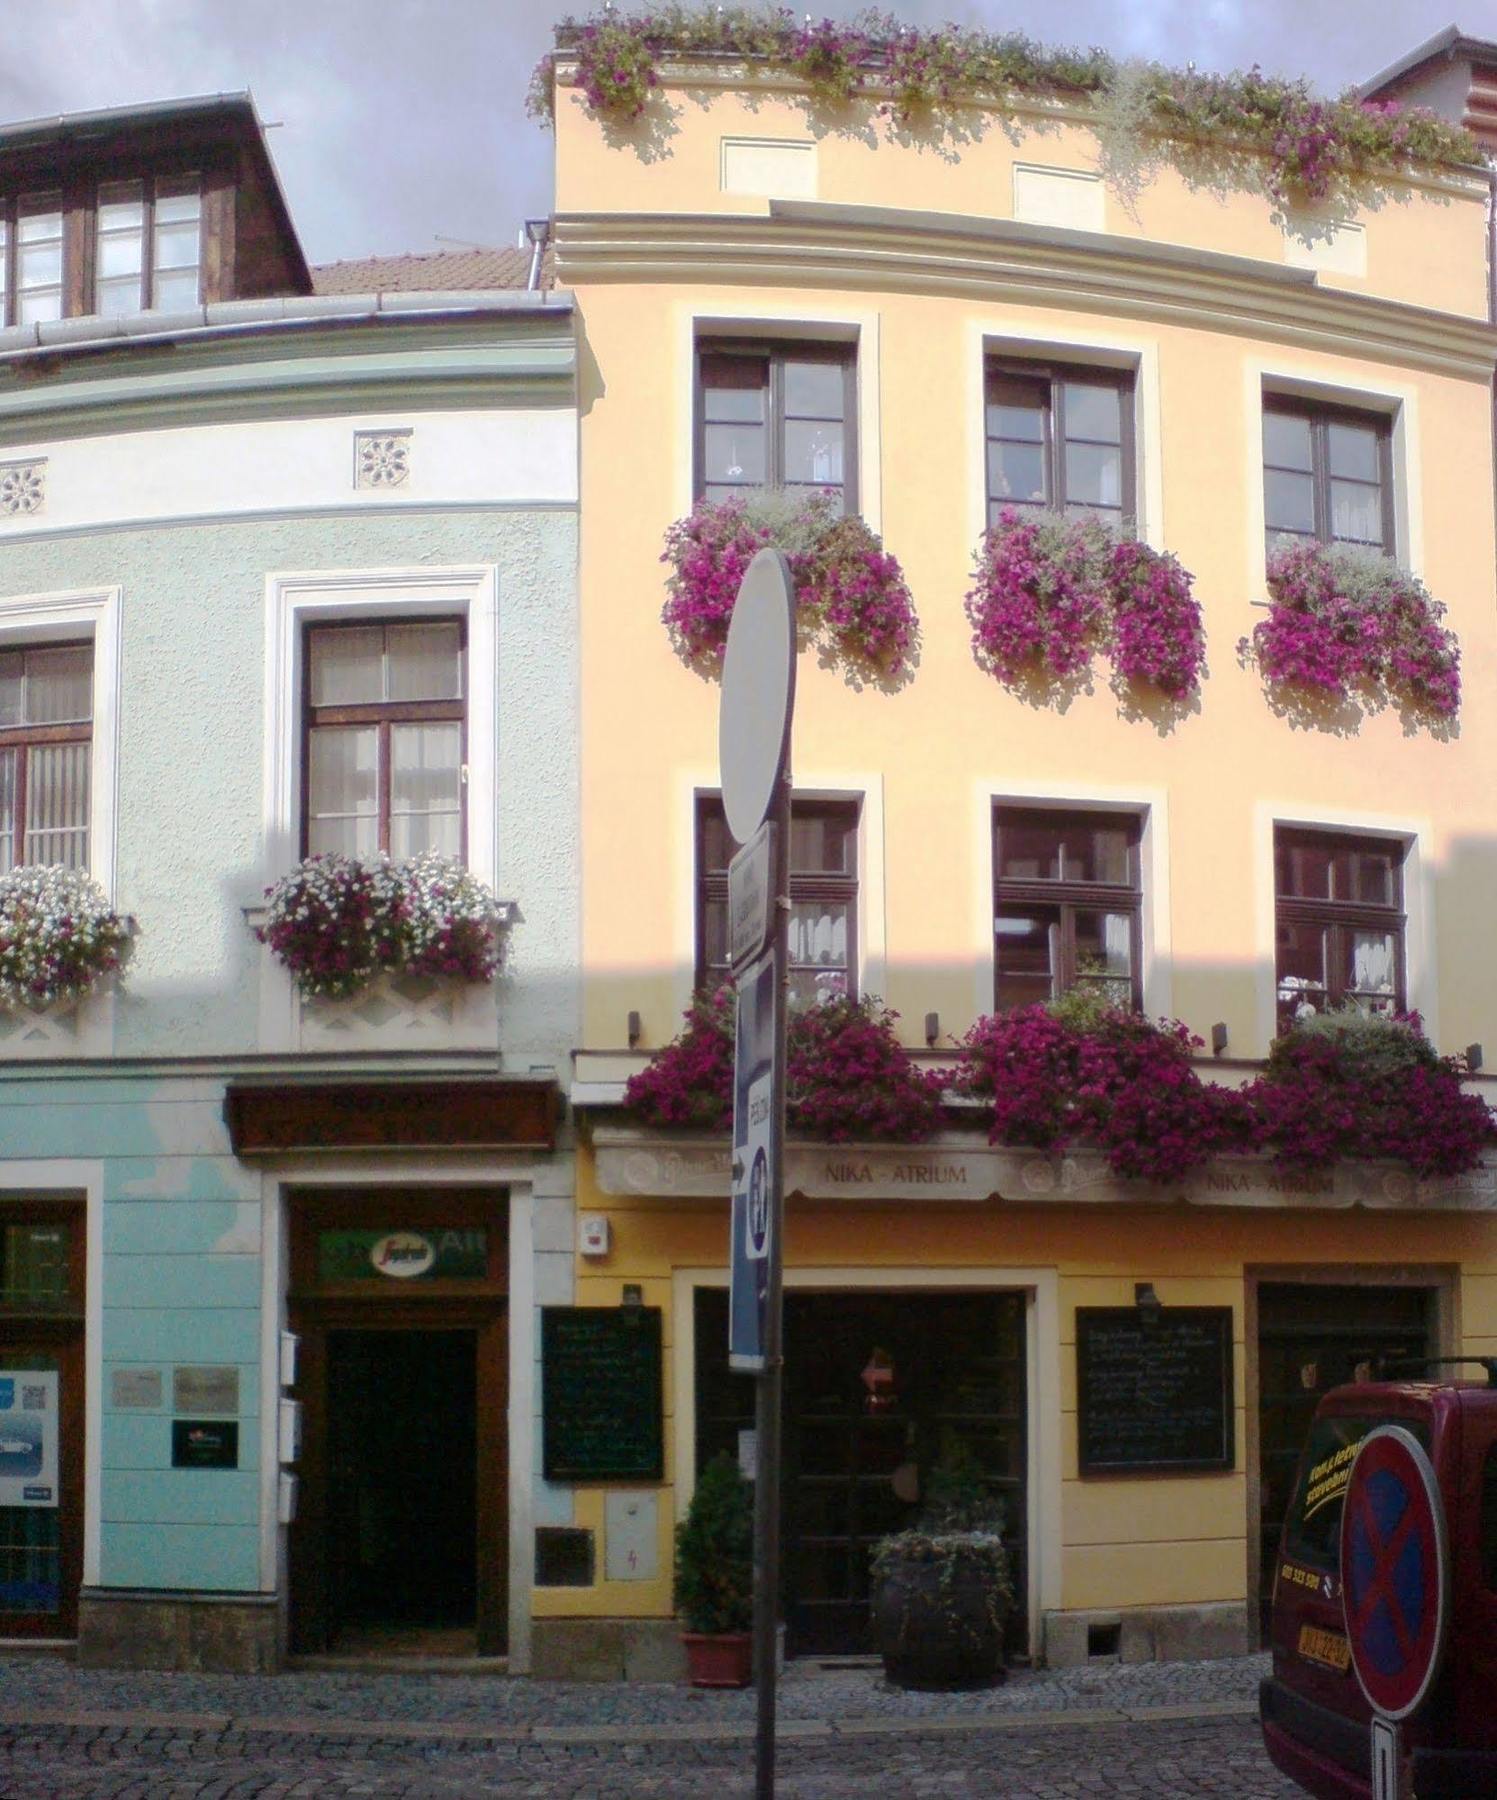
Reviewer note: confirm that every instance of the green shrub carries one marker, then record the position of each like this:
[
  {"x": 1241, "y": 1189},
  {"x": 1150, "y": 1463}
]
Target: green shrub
[{"x": 715, "y": 1552}]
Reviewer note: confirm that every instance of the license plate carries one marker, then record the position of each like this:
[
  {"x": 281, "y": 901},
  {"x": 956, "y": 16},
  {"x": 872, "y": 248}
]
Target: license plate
[{"x": 1328, "y": 1648}]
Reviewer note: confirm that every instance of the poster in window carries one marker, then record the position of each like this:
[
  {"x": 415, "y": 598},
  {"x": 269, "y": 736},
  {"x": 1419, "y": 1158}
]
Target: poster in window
[{"x": 28, "y": 1437}]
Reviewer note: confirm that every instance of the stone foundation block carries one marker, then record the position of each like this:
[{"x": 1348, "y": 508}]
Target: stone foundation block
[
  {"x": 1146, "y": 1634},
  {"x": 606, "y": 1650},
  {"x": 196, "y": 1633}
]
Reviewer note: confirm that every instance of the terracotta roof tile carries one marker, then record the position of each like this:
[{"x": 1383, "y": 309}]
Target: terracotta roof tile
[{"x": 437, "y": 271}]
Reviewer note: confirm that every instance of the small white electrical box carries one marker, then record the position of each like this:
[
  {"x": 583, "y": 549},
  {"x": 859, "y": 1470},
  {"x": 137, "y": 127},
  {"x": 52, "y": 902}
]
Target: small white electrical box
[
  {"x": 288, "y": 1438},
  {"x": 593, "y": 1234},
  {"x": 287, "y": 1489},
  {"x": 290, "y": 1344}
]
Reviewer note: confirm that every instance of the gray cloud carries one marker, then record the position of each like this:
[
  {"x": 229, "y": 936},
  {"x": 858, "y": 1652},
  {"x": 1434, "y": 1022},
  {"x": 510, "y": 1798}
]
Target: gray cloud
[{"x": 399, "y": 122}]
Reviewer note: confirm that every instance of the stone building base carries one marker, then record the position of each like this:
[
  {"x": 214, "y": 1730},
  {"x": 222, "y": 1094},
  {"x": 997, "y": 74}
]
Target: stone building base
[
  {"x": 606, "y": 1650},
  {"x": 123, "y": 1628},
  {"x": 1146, "y": 1634}
]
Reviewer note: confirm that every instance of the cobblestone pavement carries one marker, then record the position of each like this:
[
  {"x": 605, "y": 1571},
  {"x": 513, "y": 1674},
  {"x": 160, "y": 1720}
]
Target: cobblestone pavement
[{"x": 1156, "y": 1730}]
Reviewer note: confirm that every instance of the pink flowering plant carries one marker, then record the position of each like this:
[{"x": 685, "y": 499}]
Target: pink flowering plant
[
  {"x": 853, "y": 604},
  {"x": 1050, "y": 591},
  {"x": 59, "y": 936},
  {"x": 1345, "y": 622},
  {"x": 1246, "y": 130},
  {"x": 338, "y": 922},
  {"x": 848, "y": 1076}
]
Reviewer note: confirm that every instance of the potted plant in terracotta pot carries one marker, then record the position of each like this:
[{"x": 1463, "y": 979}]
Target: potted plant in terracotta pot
[
  {"x": 941, "y": 1591},
  {"x": 715, "y": 1577}
]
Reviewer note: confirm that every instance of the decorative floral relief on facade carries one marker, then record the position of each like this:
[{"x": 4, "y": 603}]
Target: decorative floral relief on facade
[
  {"x": 381, "y": 459},
  {"x": 401, "y": 1011},
  {"x": 23, "y": 487}
]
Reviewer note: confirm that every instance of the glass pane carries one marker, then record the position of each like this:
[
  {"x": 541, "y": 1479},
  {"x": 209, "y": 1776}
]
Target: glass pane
[
  {"x": 120, "y": 253},
  {"x": 40, "y": 306},
  {"x": 813, "y": 453},
  {"x": 30, "y": 1535},
  {"x": 9, "y": 759},
  {"x": 115, "y": 299},
  {"x": 12, "y": 688},
  {"x": 818, "y": 935},
  {"x": 1354, "y": 451},
  {"x": 1365, "y": 875},
  {"x": 38, "y": 221},
  {"x": 814, "y": 390},
  {"x": 1060, "y": 849},
  {"x": 1289, "y": 501},
  {"x": 342, "y": 790},
  {"x": 347, "y": 665},
  {"x": 1286, "y": 441},
  {"x": 425, "y": 789},
  {"x": 1094, "y": 475},
  {"x": 809, "y": 987},
  {"x": 822, "y": 844},
  {"x": 4, "y": 252},
  {"x": 33, "y": 1264},
  {"x": 735, "y": 387},
  {"x": 178, "y": 199},
  {"x": 718, "y": 846},
  {"x": 1356, "y": 512},
  {"x": 57, "y": 804},
  {"x": 735, "y": 454},
  {"x": 1371, "y": 972},
  {"x": 715, "y": 938},
  {"x": 171, "y": 292},
  {"x": 41, "y": 263},
  {"x": 60, "y": 685},
  {"x": 1016, "y": 408},
  {"x": 1301, "y": 966},
  {"x": 426, "y": 662},
  {"x": 1093, "y": 412},
  {"x": 1028, "y": 852},
  {"x": 1303, "y": 870},
  {"x": 176, "y": 246},
  {"x": 1016, "y": 472},
  {"x": 1104, "y": 949},
  {"x": 1027, "y": 941}
]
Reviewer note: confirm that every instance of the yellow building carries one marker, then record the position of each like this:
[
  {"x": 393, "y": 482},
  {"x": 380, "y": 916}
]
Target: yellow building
[{"x": 766, "y": 295}]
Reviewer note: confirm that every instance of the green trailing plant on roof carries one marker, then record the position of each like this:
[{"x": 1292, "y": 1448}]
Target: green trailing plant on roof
[{"x": 1247, "y": 131}]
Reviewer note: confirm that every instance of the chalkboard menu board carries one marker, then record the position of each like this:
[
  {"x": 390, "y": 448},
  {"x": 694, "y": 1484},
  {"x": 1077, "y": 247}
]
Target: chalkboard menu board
[
  {"x": 1154, "y": 1393},
  {"x": 600, "y": 1393}
]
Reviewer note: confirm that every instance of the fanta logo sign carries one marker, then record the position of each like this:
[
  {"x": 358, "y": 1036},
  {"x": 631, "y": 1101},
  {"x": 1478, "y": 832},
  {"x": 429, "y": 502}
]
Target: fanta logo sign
[{"x": 402, "y": 1254}]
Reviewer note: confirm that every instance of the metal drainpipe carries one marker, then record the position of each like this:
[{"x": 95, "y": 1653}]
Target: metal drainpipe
[{"x": 539, "y": 233}]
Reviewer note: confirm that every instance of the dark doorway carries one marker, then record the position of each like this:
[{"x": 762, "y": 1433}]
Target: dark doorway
[
  {"x": 1312, "y": 1337},
  {"x": 402, "y": 1497},
  {"x": 877, "y": 1388}
]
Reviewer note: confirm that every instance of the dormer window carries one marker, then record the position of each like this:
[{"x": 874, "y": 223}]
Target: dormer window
[{"x": 148, "y": 245}]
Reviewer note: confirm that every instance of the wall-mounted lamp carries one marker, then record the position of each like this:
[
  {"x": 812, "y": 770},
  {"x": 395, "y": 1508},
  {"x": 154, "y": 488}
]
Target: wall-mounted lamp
[
  {"x": 932, "y": 1028},
  {"x": 1147, "y": 1302},
  {"x": 634, "y": 1031},
  {"x": 1473, "y": 1058},
  {"x": 633, "y": 1294},
  {"x": 1218, "y": 1037}
]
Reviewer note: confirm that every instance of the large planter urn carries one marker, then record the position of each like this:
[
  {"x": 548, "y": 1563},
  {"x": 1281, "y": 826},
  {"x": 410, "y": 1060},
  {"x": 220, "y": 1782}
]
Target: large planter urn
[{"x": 938, "y": 1609}]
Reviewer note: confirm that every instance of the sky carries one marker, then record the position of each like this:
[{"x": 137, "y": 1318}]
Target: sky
[{"x": 399, "y": 125}]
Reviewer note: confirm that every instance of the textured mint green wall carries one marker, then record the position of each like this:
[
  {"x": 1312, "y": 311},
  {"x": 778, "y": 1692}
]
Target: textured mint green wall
[{"x": 192, "y": 748}]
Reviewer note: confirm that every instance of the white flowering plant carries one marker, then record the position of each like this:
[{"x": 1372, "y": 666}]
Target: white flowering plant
[
  {"x": 59, "y": 936},
  {"x": 337, "y": 922}
]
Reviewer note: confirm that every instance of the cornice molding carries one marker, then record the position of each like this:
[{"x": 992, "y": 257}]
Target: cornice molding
[{"x": 817, "y": 245}]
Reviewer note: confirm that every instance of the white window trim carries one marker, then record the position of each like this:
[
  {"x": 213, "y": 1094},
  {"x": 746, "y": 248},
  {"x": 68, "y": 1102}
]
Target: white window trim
[
  {"x": 871, "y": 973},
  {"x": 777, "y": 323},
  {"x": 1307, "y": 380},
  {"x": 1150, "y": 805},
  {"x": 1421, "y": 983},
  {"x": 292, "y": 601},
  {"x": 92, "y": 613},
  {"x": 1035, "y": 337}
]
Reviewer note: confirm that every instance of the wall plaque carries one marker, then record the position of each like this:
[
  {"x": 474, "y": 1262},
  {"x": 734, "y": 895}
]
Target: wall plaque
[
  {"x": 205, "y": 1444},
  {"x": 134, "y": 1388},
  {"x": 601, "y": 1396},
  {"x": 210, "y": 1388},
  {"x": 1154, "y": 1394}
]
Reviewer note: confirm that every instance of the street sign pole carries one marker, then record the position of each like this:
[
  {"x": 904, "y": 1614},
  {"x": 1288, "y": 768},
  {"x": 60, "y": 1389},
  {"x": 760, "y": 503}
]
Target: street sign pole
[{"x": 758, "y": 702}]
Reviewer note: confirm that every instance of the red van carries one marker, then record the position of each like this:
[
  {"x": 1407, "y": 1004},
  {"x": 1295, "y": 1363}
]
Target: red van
[{"x": 1316, "y": 1721}]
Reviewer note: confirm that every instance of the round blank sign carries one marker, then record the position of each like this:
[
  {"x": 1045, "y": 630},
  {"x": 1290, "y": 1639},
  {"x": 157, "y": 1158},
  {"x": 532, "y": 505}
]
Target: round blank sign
[{"x": 753, "y": 723}]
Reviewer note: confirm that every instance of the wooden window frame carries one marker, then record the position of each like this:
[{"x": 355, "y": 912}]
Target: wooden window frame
[
  {"x": 1339, "y": 917},
  {"x": 1321, "y": 415},
  {"x": 1053, "y": 376},
  {"x": 776, "y": 353},
  {"x": 1071, "y": 897},
  {"x": 22, "y": 739},
  {"x": 13, "y": 208},
  {"x": 150, "y": 193},
  {"x": 382, "y": 714},
  {"x": 807, "y": 887}
]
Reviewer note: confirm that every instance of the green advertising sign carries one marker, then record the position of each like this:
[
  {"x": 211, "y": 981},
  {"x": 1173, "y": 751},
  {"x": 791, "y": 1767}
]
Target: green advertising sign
[{"x": 392, "y": 1254}]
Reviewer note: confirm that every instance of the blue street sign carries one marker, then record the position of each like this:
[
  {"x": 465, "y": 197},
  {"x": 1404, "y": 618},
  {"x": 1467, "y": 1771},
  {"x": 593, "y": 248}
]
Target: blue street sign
[{"x": 753, "y": 1127}]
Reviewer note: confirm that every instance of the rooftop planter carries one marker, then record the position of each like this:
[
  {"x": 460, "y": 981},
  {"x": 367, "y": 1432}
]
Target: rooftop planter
[
  {"x": 1347, "y": 625},
  {"x": 338, "y": 923},
  {"x": 1247, "y": 131},
  {"x": 853, "y": 605},
  {"x": 59, "y": 937},
  {"x": 1050, "y": 592}
]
